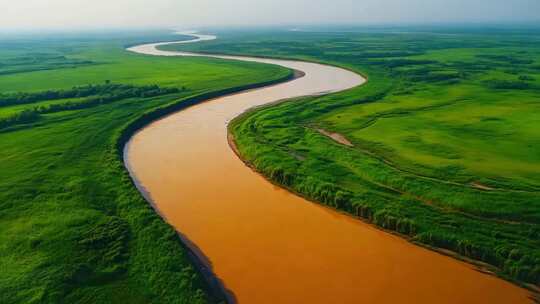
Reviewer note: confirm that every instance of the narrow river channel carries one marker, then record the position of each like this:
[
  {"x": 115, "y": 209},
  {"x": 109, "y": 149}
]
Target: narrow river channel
[{"x": 268, "y": 245}]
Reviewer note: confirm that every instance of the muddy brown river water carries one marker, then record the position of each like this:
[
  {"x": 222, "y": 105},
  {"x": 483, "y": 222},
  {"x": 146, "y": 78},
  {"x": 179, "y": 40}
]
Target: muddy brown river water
[{"x": 268, "y": 245}]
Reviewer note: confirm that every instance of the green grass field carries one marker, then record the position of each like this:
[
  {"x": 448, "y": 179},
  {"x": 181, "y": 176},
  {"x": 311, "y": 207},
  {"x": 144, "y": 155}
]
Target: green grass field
[
  {"x": 74, "y": 228},
  {"x": 446, "y": 136}
]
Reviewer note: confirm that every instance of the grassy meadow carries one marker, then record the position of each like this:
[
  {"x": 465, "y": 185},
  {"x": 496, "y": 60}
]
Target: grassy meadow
[
  {"x": 445, "y": 135},
  {"x": 74, "y": 228}
]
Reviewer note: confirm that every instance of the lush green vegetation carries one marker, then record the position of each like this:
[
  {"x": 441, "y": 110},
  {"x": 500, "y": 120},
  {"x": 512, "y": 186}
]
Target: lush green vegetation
[
  {"x": 74, "y": 228},
  {"x": 446, "y": 136}
]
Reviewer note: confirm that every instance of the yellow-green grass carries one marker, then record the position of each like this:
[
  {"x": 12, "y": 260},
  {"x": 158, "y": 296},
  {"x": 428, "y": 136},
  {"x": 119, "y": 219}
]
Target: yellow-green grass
[{"x": 486, "y": 134}]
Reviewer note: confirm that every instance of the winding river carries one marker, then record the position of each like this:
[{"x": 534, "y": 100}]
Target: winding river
[{"x": 270, "y": 246}]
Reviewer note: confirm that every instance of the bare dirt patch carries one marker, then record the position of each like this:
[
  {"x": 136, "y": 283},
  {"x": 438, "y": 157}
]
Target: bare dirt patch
[
  {"x": 336, "y": 137},
  {"x": 480, "y": 186}
]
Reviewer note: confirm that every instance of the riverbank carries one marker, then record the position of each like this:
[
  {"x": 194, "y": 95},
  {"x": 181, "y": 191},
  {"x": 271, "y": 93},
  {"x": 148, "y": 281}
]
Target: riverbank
[
  {"x": 196, "y": 256},
  {"x": 255, "y": 248},
  {"x": 76, "y": 229},
  {"x": 362, "y": 215},
  {"x": 409, "y": 169}
]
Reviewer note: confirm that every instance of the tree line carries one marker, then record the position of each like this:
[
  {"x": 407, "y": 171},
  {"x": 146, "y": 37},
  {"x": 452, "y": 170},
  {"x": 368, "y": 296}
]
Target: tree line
[
  {"x": 106, "y": 89},
  {"x": 96, "y": 95}
]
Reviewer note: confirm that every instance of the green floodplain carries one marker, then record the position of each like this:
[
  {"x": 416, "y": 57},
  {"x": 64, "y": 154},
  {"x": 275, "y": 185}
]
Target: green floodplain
[
  {"x": 445, "y": 136},
  {"x": 74, "y": 228},
  {"x": 445, "y": 150}
]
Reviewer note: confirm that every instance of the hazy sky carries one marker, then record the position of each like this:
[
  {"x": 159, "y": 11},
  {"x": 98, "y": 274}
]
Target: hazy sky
[{"x": 37, "y": 14}]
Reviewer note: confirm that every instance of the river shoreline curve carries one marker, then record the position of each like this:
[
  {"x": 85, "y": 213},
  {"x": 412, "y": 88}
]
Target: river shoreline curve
[
  {"x": 216, "y": 288},
  {"x": 220, "y": 253}
]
